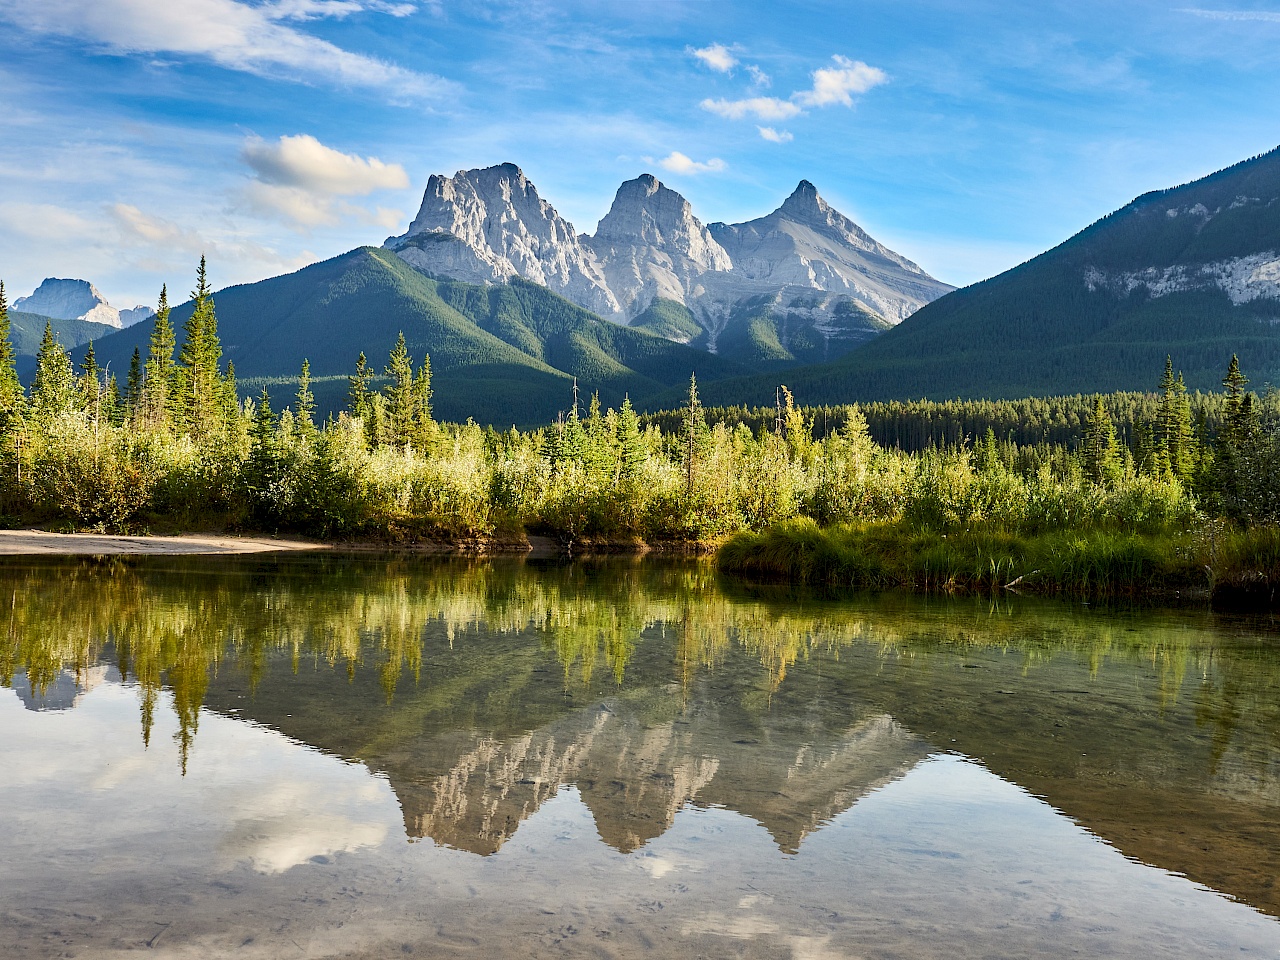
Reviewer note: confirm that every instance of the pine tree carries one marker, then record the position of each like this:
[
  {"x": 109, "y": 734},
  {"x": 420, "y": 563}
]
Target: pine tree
[
  {"x": 109, "y": 405},
  {"x": 88, "y": 385},
  {"x": 631, "y": 449},
  {"x": 400, "y": 396},
  {"x": 1100, "y": 450},
  {"x": 358, "y": 389},
  {"x": 695, "y": 432},
  {"x": 201, "y": 396},
  {"x": 10, "y": 386},
  {"x": 305, "y": 420},
  {"x": 54, "y": 388},
  {"x": 133, "y": 385},
  {"x": 423, "y": 425},
  {"x": 986, "y": 454},
  {"x": 158, "y": 397},
  {"x": 1175, "y": 437},
  {"x": 1236, "y": 443}
]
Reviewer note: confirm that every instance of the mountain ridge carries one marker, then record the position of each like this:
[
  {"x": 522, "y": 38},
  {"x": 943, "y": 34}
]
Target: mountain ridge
[{"x": 811, "y": 269}]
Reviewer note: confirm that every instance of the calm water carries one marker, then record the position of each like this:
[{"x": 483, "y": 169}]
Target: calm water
[{"x": 363, "y": 757}]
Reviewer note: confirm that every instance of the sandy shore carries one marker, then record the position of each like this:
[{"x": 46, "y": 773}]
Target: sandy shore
[{"x": 27, "y": 542}]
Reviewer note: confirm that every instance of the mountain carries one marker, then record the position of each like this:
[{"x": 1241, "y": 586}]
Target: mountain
[
  {"x": 78, "y": 300},
  {"x": 501, "y": 354},
  {"x": 486, "y": 226},
  {"x": 803, "y": 284},
  {"x": 1192, "y": 272}
]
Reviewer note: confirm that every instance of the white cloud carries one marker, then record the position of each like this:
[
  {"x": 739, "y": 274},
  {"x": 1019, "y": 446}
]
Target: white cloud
[
  {"x": 838, "y": 84},
  {"x": 45, "y": 221},
  {"x": 758, "y": 77},
  {"x": 677, "y": 162},
  {"x": 1267, "y": 16},
  {"x": 775, "y": 136},
  {"x": 831, "y": 85},
  {"x": 717, "y": 56},
  {"x": 762, "y": 108},
  {"x": 306, "y": 163},
  {"x": 148, "y": 230},
  {"x": 300, "y": 178},
  {"x": 238, "y": 36},
  {"x": 339, "y": 9}
]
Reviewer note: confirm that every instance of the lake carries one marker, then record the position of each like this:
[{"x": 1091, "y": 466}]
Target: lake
[{"x": 369, "y": 756}]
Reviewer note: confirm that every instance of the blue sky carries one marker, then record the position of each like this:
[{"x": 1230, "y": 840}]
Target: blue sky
[{"x": 273, "y": 133}]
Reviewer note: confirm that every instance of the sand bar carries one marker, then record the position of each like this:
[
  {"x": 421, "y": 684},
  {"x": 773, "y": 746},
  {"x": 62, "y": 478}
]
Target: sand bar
[{"x": 29, "y": 542}]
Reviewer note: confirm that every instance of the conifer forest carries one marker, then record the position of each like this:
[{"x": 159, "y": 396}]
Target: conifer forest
[{"x": 1127, "y": 492}]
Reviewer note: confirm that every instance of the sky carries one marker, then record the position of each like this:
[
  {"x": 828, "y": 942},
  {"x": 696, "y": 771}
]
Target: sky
[{"x": 968, "y": 135}]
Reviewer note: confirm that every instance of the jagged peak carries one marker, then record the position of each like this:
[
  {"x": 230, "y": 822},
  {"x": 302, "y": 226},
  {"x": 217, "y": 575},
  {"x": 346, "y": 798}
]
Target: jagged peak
[{"x": 805, "y": 202}]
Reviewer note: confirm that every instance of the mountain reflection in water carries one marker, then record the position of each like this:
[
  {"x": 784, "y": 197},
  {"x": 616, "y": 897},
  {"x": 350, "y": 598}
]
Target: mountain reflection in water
[{"x": 481, "y": 692}]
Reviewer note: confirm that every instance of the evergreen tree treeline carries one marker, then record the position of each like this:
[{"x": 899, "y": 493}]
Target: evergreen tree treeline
[{"x": 177, "y": 447}]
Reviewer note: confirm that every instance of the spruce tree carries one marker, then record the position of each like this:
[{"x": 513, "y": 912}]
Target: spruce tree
[
  {"x": 10, "y": 386},
  {"x": 133, "y": 385},
  {"x": 401, "y": 400},
  {"x": 158, "y": 382},
  {"x": 423, "y": 425},
  {"x": 1100, "y": 451},
  {"x": 201, "y": 383},
  {"x": 88, "y": 385},
  {"x": 305, "y": 420},
  {"x": 631, "y": 450},
  {"x": 358, "y": 389},
  {"x": 1175, "y": 437},
  {"x": 53, "y": 390},
  {"x": 695, "y": 432}
]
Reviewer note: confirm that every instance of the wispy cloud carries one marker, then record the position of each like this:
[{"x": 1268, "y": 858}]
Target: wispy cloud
[
  {"x": 762, "y": 108},
  {"x": 832, "y": 86},
  {"x": 338, "y": 9},
  {"x": 677, "y": 162},
  {"x": 758, "y": 77},
  {"x": 1268, "y": 16},
  {"x": 775, "y": 136},
  {"x": 239, "y": 36},
  {"x": 716, "y": 56}
]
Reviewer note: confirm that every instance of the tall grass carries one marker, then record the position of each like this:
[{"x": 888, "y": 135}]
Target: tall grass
[{"x": 1097, "y": 562}]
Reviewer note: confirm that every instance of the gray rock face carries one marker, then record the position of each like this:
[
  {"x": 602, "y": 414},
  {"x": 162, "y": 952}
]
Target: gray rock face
[
  {"x": 804, "y": 265},
  {"x": 651, "y": 245},
  {"x": 78, "y": 300},
  {"x": 489, "y": 225},
  {"x": 806, "y": 243},
  {"x": 135, "y": 315}
]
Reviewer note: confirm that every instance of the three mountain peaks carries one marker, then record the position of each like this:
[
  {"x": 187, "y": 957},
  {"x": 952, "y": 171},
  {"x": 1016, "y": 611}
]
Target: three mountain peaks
[{"x": 809, "y": 280}]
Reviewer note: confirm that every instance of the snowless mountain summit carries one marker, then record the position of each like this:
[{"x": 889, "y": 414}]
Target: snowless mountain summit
[
  {"x": 802, "y": 283},
  {"x": 78, "y": 300}
]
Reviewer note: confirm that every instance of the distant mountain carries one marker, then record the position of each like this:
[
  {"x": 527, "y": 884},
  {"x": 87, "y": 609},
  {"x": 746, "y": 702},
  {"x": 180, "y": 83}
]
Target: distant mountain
[
  {"x": 802, "y": 284},
  {"x": 26, "y": 330},
  {"x": 501, "y": 354},
  {"x": 78, "y": 300},
  {"x": 1192, "y": 272}
]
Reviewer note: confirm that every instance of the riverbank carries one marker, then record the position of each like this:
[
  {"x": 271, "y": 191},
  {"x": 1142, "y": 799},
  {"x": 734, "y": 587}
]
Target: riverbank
[
  {"x": 1231, "y": 567},
  {"x": 14, "y": 543}
]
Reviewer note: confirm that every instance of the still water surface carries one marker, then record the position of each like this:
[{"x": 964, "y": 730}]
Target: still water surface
[{"x": 325, "y": 756}]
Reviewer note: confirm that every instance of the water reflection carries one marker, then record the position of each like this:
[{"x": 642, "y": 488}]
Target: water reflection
[{"x": 484, "y": 697}]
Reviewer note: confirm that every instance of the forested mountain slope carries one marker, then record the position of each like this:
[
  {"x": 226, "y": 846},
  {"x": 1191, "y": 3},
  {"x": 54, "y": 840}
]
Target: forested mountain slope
[
  {"x": 501, "y": 354},
  {"x": 1192, "y": 272}
]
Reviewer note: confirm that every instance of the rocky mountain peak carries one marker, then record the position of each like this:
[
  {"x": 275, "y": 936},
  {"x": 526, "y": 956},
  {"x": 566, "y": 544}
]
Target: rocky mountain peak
[
  {"x": 648, "y": 213},
  {"x": 64, "y": 299},
  {"x": 805, "y": 203},
  {"x": 488, "y": 225}
]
